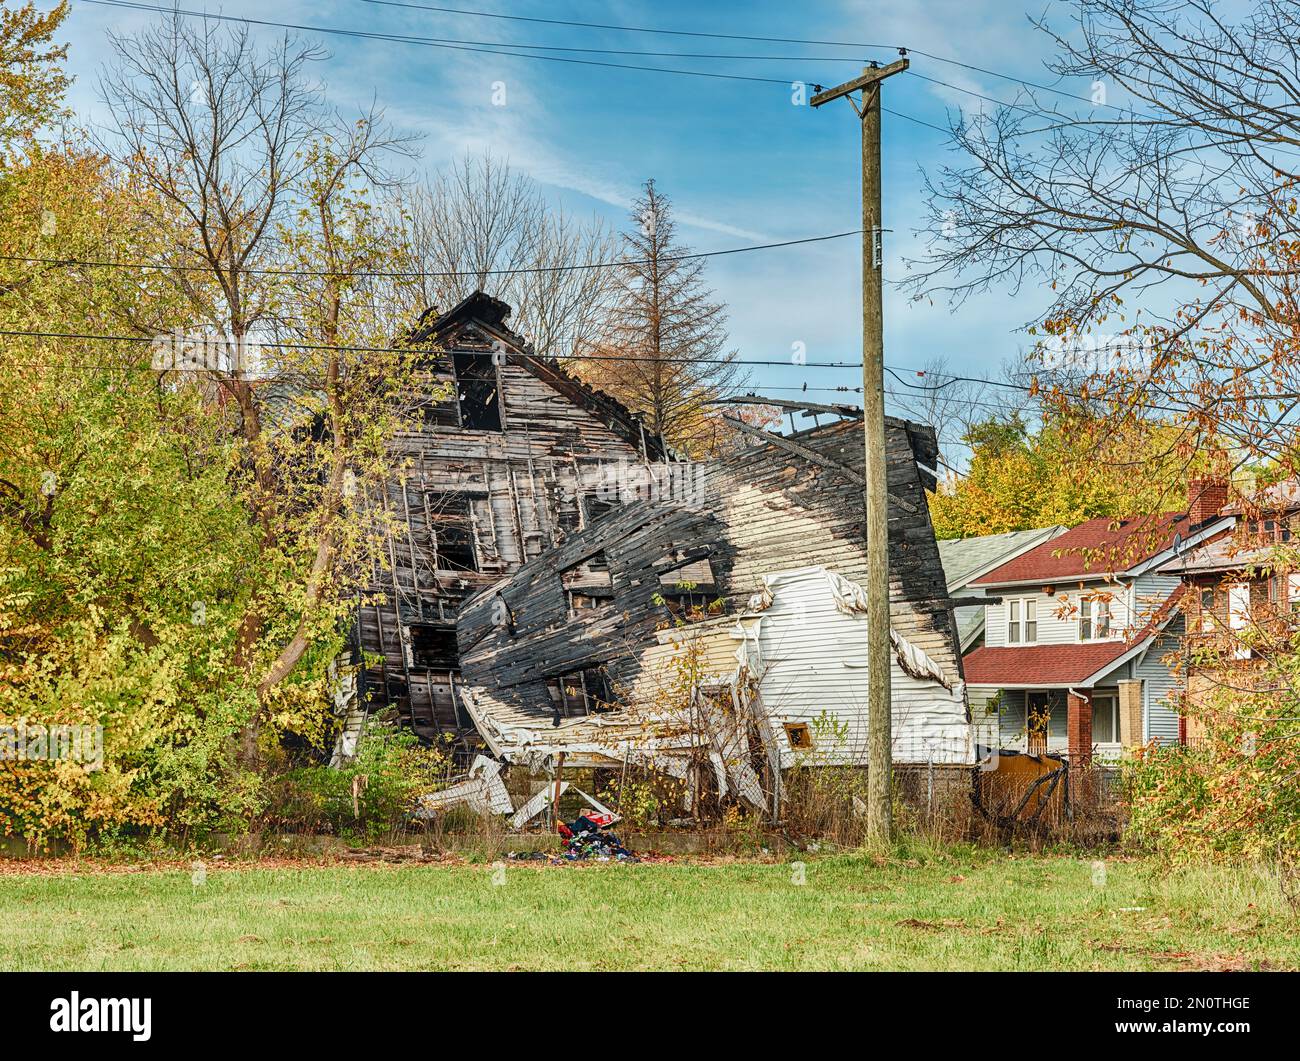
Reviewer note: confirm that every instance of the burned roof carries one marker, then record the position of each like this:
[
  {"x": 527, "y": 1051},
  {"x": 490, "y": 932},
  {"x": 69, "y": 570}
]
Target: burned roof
[{"x": 481, "y": 311}]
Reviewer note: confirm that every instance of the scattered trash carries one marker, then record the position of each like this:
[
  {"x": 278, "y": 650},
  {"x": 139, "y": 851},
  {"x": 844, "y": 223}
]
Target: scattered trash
[
  {"x": 584, "y": 839},
  {"x": 548, "y": 796}
]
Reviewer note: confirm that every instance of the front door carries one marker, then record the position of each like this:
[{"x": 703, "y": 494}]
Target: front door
[{"x": 1105, "y": 718}]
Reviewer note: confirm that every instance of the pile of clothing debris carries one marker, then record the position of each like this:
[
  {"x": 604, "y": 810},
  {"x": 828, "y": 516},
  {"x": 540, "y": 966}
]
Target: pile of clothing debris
[{"x": 585, "y": 838}]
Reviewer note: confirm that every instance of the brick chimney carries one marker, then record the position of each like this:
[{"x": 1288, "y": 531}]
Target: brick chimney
[{"x": 1205, "y": 497}]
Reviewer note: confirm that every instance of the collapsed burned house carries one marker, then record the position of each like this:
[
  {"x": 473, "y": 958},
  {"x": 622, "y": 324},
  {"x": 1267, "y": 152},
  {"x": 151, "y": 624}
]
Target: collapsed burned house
[
  {"x": 714, "y": 614},
  {"x": 499, "y": 471}
]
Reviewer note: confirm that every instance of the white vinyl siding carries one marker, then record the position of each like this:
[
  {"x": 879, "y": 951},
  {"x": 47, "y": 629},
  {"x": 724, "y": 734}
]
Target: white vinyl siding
[
  {"x": 813, "y": 662},
  {"x": 1049, "y": 627}
]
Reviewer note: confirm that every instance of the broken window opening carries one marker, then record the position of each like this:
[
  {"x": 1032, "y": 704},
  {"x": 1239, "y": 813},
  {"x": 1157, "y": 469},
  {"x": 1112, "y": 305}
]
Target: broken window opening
[
  {"x": 579, "y": 693},
  {"x": 595, "y": 505},
  {"x": 434, "y": 647},
  {"x": 564, "y": 502},
  {"x": 685, "y": 566},
  {"x": 588, "y": 585},
  {"x": 451, "y": 533},
  {"x": 477, "y": 391},
  {"x": 688, "y": 586},
  {"x": 685, "y": 603},
  {"x": 799, "y": 735},
  {"x": 588, "y": 602}
]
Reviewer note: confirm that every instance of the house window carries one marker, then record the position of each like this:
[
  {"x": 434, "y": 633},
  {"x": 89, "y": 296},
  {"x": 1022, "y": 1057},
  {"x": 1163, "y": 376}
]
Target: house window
[
  {"x": 1239, "y": 615},
  {"x": 588, "y": 602},
  {"x": 595, "y": 504},
  {"x": 434, "y": 647},
  {"x": 451, "y": 533},
  {"x": 588, "y": 585},
  {"x": 1094, "y": 619},
  {"x": 687, "y": 570},
  {"x": 799, "y": 735},
  {"x": 1022, "y": 621},
  {"x": 1293, "y": 592},
  {"x": 579, "y": 693},
  {"x": 477, "y": 392},
  {"x": 1207, "y": 609}
]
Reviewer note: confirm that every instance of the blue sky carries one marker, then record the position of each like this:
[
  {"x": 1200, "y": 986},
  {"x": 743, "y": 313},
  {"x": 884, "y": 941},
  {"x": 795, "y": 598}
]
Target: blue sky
[{"x": 742, "y": 164}]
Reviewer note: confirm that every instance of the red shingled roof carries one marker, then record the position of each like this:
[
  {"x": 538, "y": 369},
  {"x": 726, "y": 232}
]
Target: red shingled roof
[
  {"x": 1100, "y": 546},
  {"x": 1040, "y": 664},
  {"x": 1031, "y": 665}
]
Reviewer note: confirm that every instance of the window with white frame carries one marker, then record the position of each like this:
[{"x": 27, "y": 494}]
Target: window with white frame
[
  {"x": 1022, "y": 621},
  {"x": 1094, "y": 618}
]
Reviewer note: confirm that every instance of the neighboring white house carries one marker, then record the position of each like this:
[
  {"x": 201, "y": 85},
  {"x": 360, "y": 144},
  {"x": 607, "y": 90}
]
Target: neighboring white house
[
  {"x": 966, "y": 559},
  {"x": 1075, "y": 654}
]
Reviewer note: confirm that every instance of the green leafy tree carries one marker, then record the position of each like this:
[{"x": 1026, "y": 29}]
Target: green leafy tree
[
  {"x": 1066, "y": 472},
  {"x": 32, "y": 81}
]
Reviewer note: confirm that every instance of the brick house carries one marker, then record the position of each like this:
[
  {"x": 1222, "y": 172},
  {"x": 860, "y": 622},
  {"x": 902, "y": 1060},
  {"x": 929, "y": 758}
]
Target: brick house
[{"x": 1242, "y": 592}]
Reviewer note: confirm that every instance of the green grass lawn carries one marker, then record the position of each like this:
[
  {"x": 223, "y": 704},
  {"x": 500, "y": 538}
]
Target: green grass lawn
[{"x": 934, "y": 910}]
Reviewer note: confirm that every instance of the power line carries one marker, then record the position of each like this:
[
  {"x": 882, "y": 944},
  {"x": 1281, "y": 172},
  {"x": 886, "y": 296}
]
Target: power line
[
  {"x": 917, "y": 121},
  {"x": 948, "y": 60},
  {"x": 267, "y": 345},
  {"x": 417, "y": 39},
  {"x": 487, "y": 49},
  {"x": 1037, "y": 111},
  {"x": 1012, "y": 78},
  {"x": 876, "y": 46},
  {"x": 624, "y": 29},
  {"x": 402, "y": 274}
]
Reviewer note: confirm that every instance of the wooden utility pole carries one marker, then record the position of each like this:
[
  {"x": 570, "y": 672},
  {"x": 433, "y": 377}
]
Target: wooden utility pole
[{"x": 879, "y": 701}]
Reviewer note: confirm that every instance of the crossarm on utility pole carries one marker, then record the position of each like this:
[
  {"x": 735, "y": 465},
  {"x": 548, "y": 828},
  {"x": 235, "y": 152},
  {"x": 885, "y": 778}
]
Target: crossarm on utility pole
[{"x": 870, "y": 76}]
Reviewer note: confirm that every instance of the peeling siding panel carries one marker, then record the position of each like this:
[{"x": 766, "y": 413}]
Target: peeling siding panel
[
  {"x": 783, "y": 511},
  {"x": 814, "y": 670}
]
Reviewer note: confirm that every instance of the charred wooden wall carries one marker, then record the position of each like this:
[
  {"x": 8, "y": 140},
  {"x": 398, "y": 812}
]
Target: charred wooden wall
[
  {"x": 471, "y": 505},
  {"x": 766, "y": 508}
]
